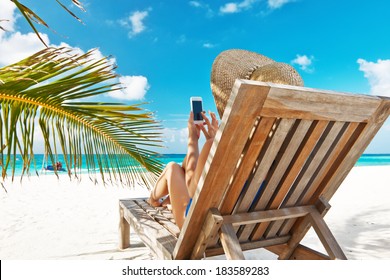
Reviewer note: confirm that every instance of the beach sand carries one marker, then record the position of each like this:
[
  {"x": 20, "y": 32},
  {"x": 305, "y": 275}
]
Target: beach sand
[{"x": 45, "y": 218}]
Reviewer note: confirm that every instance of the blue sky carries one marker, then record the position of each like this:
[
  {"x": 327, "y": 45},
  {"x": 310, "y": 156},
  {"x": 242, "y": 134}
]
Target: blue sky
[{"x": 164, "y": 49}]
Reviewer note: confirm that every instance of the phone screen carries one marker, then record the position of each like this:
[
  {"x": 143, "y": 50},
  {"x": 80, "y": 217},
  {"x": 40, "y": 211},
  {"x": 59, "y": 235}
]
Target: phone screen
[{"x": 197, "y": 109}]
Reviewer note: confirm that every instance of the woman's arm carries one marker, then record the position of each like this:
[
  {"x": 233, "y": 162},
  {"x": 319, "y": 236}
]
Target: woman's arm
[
  {"x": 191, "y": 159},
  {"x": 209, "y": 133}
]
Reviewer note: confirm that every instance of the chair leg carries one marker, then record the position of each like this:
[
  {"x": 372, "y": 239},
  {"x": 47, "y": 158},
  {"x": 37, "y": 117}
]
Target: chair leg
[
  {"x": 124, "y": 230},
  {"x": 323, "y": 207},
  {"x": 327, "y": 239},
  {"x": 209, "y": 230},
  {"x": 230, "y": 243},
  {"x": 315, "y": 219}
]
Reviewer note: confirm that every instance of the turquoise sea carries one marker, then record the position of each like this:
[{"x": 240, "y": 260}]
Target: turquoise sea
[{"x": 365, "y": 160}]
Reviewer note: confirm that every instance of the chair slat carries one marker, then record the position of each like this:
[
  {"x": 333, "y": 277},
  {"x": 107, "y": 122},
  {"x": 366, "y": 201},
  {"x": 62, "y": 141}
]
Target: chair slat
[
  {"x": 306, "y": 103},
  {"x": 158, "y": 215}
]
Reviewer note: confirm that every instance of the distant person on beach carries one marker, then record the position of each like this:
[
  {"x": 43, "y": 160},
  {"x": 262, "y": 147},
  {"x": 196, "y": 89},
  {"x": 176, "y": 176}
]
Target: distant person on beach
[
  {"x": 180, "y": 181},
  {"x": 58, "y": 165}
]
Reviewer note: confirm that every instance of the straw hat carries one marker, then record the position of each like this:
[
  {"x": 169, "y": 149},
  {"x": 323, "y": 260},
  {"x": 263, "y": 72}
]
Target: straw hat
[{"x": 240, "y": 64}]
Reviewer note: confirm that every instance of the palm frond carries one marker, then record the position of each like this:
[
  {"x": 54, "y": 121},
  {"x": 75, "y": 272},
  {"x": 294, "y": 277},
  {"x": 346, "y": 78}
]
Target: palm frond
[
  {"x": 50, "y": 86},
  {"x": 31, "y": 17}
]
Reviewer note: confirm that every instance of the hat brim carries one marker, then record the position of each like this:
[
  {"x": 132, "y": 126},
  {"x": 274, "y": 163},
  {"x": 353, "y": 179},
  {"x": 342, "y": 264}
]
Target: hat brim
[{"x": 241, "y": 64}]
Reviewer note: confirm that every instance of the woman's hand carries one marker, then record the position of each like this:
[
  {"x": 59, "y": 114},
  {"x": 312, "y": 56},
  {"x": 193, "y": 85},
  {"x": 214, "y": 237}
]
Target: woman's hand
[
  {"x": 212, "y": 126},
  {"x": 193, "y": 129}
]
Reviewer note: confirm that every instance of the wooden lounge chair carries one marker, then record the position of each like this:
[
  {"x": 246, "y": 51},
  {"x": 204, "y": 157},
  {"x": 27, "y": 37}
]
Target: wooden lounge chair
[{"x": 279, "y": 156}]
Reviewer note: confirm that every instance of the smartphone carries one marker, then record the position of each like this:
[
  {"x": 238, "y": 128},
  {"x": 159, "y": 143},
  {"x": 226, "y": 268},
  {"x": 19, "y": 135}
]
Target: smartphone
[{"x": 197, "y": 108}]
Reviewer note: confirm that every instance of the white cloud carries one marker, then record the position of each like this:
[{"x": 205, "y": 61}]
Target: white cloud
[
  {"x": 136, "y": 22},
  {"x": 304, "y": 62},
  {"x": 94, "y": 56},
  {"x": 201, "y": 5},
  {"x": 7, "y": 17},
  {"x": 236, "y": 7},
  {"x": 16, "y": 46},
  {"x": 135, "y": 88},
  {"x": 229, "y": 8},
  {"x": 175, "y": 140},
  {"x": 183, "y": 135},
  {"x": 169, "y": 135},
  {"x": 246, "y": 3},
  {"x": 195, "y": 4},
  {"x": 378, "y": 75},
  {"x": 208, "y": 45},
  {"x": 275, "y": 4}
]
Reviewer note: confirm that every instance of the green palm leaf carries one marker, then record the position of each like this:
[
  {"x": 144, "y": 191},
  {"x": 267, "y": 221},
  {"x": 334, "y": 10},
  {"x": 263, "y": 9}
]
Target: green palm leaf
[
  {"x": 50, "y": 86},
  {"x": 31, "y": 17}
]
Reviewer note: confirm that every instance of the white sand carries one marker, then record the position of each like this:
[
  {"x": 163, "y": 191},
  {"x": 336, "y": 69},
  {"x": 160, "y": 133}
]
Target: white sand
[{"x": 45, "y": 218}]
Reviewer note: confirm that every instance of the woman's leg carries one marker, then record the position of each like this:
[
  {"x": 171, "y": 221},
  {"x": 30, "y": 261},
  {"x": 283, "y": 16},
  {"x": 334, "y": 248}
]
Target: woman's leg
[
  {"x": 172, "y": 182},
  {"x": 178, "y": 193},
  {"x": 160, "y": 189}
]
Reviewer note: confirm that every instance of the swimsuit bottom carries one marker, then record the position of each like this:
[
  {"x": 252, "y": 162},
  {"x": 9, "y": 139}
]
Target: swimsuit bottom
[{"x": 188, "y": 206}]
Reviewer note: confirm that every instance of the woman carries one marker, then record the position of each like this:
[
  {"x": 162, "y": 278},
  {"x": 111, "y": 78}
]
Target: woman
[{"x": 180, "y": 181}]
